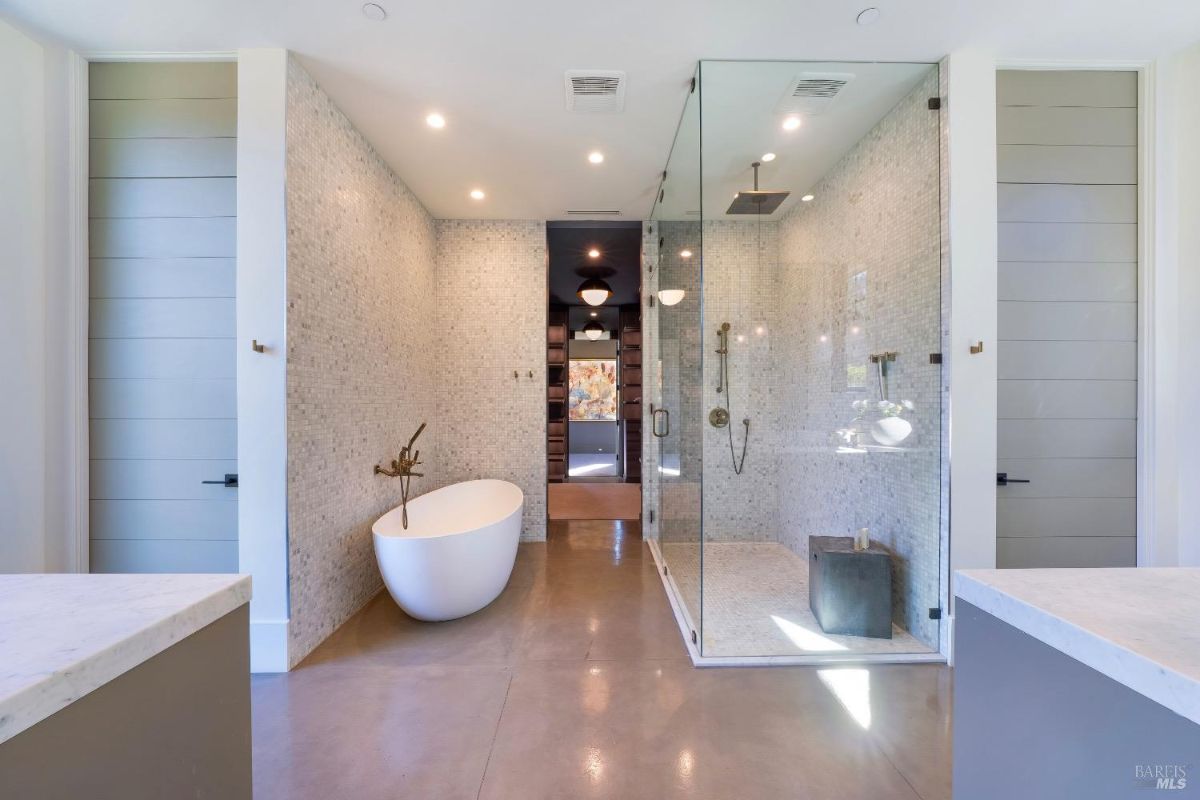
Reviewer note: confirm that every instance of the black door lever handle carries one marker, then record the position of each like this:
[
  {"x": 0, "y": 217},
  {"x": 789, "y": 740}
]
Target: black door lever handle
[
  {"x": 230, "y": 482},
  {"x": 1002, "y": 479}
]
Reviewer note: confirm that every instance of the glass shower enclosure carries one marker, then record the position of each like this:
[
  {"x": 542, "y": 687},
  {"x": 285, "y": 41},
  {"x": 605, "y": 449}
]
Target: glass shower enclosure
[{"x": 794, "y": 458}]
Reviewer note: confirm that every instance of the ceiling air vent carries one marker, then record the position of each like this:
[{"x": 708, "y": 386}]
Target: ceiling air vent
[
  {"x": 582, "y": 212},
  {"x": 595, "y": 90},
  {"x": 812, "y": 92}
]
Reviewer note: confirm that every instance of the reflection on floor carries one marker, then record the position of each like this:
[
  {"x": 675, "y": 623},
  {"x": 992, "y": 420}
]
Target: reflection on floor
[
  {"x": 756, "y": 603},
  {"x": 575, "y": 684},
  {"x": 594, "y": 500},
  {"x": 591, "y": 465}
]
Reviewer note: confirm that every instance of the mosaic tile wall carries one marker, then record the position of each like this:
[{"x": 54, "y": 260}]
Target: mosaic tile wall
[
  {"x": 361, "y": 370},
  {"x": 490, "y": 320},
  {"x": 741, "y": 287},
  {"x": 861, "y": 274}
]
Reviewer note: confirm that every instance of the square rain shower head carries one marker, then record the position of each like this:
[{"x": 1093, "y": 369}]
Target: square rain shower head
[{"x": 757, "y": 201}]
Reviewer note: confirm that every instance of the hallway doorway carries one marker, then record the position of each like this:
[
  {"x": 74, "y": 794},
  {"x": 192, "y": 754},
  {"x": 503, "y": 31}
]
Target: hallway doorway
[{"x": 594, "y": 371}]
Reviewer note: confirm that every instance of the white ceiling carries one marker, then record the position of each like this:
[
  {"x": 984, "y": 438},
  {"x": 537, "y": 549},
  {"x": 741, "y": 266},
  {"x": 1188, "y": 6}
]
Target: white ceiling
[
  {"x": 495, "y": 70},
  {"x": 742, "y": 122}
]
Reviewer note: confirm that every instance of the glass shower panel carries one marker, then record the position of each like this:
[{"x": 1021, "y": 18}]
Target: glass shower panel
[
  {"x": 674, "y": 248},
  {"x": 817, "y": 407}
]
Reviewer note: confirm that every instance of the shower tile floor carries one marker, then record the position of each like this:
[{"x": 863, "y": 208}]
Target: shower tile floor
[{"x": 756, "y": 603}]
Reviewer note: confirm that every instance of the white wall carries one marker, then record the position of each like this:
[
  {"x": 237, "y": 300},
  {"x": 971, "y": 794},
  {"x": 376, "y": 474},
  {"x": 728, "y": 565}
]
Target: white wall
[
  {"x": 1187, "y": 102},
  {"x": 38, "y": 348},
  {"x": 969, "y": 168},
  {"x": 261, "y": 315},
  {"x": 22, "y": 293},
  {"x": 971, "y": 117},
  {"x": 1173, "y": 445}
]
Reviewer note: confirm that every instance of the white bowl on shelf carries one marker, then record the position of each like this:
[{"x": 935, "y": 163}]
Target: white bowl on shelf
[{"x": 891, "y": 431}]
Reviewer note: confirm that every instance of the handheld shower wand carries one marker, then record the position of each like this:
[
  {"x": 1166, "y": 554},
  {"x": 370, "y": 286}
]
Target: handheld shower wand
[
  {"x": 722, "y": 351},
  {"x": 719, "y": 417}
]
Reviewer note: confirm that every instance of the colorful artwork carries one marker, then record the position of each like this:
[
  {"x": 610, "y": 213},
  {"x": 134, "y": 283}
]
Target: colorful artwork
[{"x": 593, "y": 393}]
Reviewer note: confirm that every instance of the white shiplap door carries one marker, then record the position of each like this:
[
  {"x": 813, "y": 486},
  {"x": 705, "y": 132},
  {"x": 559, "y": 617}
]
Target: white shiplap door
[
  {"x": 1068, "y": 316},
  {"x": 162, "y": 366}
]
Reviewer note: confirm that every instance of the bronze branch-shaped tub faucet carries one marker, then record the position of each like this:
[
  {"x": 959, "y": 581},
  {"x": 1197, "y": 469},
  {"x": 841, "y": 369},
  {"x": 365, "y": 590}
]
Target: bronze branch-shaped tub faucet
[
  {"x": 409, "y": 458},
  {"x": 402, "y": 468}
]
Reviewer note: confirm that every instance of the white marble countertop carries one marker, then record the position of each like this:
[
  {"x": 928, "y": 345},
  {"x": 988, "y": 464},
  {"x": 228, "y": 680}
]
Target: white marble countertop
[
  {"x": 1140, "y": 627},
  {"x": 62, "y": 636}
]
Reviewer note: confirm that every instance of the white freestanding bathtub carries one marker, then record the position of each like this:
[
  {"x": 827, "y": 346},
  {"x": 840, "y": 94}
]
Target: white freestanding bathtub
[{"x": 458, "y": 551}]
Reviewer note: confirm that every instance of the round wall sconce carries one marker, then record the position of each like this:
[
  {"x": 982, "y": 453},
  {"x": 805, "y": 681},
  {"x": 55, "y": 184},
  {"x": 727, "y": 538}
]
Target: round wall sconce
[
  {"x": 671, "y": 297},
  {"x": 593, "y": 330}
]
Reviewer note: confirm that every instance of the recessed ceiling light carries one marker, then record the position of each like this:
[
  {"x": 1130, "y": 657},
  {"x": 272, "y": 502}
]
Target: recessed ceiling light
[
  {"x": 435, "y": 120},
  {"x": 594, "y": 313},
  {"x": 868, "y": 16},
  {"x": 596, "y": 157},
  {"x": 768, "y": 157},
  {"x": 807, "y": 198},
  {"x": 791, "y": 123},
  {"x": 593, "y": 253},
  {"x": 374, "y": 12},
  {"x": 685, "y": 253},
  {"x": 477, "y": 194}
]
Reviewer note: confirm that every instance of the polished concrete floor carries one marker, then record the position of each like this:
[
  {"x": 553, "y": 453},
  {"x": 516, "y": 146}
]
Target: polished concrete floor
[
  {"x": 575, "y": 684},
  {"x": 594, "y": 501}
]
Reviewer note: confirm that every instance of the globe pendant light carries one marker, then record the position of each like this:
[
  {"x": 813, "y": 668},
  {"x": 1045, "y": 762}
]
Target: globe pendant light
[
  {"x": 670, "y": 297},
  {"x": 593, "y": 330},
  {"x": 594, "y": 291}
]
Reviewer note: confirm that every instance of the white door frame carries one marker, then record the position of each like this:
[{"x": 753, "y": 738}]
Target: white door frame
[
  {"x": 1147, "y": 346},
  {"x": 78, "y": 96},
  {"x": 78, "y": 441}
]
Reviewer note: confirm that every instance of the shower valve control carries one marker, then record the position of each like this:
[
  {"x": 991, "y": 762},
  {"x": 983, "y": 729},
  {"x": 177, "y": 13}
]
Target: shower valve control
[{"x": 718, "y": 417}]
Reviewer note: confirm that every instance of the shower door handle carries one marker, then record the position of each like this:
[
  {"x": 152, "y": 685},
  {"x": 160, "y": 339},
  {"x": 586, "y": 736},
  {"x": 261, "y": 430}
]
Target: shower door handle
[{"x": 654, "y": 412}]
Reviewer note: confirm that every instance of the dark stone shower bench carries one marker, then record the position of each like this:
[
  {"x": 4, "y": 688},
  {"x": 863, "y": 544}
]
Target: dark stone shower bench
[{"x": 850, "y": 591}]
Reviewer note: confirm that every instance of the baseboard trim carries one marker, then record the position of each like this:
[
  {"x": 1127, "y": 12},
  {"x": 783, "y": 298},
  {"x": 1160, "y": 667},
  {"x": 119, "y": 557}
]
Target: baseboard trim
[{"x": 268, "y": 646}]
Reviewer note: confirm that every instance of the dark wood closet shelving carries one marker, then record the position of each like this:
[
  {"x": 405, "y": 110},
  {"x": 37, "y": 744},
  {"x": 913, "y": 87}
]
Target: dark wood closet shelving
[
  {"x": 557, "y": 334},
  {"x": 631, "y": 390}
]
